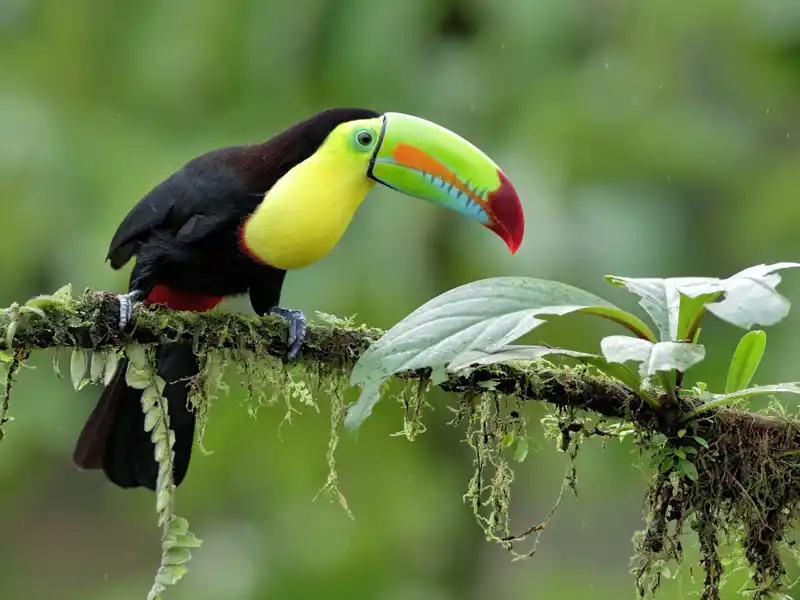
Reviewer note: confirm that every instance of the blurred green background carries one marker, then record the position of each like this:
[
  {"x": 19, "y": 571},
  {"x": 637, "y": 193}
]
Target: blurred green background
[{"x": 653, "y": 138}]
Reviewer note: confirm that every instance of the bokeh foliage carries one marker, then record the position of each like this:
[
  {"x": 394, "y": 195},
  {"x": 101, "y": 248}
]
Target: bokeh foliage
[{"x": 646, "y": 138}]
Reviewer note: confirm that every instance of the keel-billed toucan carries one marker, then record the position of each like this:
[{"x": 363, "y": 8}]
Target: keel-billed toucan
[{"x": 234, "y": 220}]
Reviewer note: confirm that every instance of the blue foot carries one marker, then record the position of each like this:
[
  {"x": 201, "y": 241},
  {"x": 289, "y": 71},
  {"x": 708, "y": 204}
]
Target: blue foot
[
  {"x": 126, "y": 307},
  {"x": 297, "y": 328}
]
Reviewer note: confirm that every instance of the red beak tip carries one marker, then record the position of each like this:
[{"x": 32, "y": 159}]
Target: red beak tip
[{"x": 507, "y": 210}]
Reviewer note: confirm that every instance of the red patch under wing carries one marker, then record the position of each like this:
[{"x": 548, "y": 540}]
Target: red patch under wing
[{"x": 177, "y": 300}]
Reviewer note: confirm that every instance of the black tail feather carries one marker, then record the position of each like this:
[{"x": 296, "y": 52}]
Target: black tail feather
[{"x": 114, "y": 438}]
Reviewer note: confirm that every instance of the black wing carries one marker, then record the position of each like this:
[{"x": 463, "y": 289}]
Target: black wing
[{"x": 208, "y": 193}]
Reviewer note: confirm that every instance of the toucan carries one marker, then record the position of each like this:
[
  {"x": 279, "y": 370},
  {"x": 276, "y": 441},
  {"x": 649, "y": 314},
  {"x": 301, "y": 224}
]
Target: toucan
[{"x": 233, "y": 221}]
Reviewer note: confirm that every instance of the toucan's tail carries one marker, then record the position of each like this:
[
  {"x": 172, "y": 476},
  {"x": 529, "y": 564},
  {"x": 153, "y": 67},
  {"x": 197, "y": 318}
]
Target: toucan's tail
[{"x": 114, "y": 439}]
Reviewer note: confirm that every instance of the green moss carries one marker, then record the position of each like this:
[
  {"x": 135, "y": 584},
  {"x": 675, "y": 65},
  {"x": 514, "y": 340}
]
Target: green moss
[
  {"x": 206, "y": 388},
  {"x": 334, "y": 386},
  {"x": 489, "y": 489},
  {"x": 8, "y": 371},
  {"x": 412, "y": 399},
  {"x": 746, "y": 496}
]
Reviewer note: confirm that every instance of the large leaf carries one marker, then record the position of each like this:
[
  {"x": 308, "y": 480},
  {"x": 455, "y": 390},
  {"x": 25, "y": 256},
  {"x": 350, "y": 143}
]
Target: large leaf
[
  {"x": 484, "y": 315},
  {"x": 674, "y": 303},
  {"x": 653, "y": 357},
  {"x": 745, "y": 361}
]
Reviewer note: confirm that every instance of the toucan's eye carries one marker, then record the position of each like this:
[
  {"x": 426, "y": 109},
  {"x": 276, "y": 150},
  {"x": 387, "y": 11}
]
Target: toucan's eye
[{"x": 364, "y": 138}]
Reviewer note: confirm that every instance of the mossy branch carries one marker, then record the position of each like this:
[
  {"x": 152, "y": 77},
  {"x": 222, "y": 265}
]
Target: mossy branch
[
  {"x": 90, "y": 322},
  {"x": 731, "y": 475}
]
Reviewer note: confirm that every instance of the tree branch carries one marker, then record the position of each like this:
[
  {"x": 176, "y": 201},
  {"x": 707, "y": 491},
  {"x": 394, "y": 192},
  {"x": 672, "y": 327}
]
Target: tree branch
[{"x": 90, "y": 322}]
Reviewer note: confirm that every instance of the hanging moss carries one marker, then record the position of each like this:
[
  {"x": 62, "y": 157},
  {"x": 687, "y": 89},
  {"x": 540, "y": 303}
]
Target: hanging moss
[{"x": 745, "y": 495}]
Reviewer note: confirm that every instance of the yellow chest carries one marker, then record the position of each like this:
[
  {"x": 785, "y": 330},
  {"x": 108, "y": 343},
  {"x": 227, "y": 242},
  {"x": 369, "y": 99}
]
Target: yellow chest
[{"x": 306, "y": 213}]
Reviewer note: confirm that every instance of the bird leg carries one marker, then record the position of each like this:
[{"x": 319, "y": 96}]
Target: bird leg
[
  {"x": 126, "y": 302},
  {"x": 297, "y": 328}
]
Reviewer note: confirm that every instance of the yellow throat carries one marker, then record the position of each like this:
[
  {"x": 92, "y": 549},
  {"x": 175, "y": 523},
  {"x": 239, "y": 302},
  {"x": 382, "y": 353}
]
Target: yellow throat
[{"x": 307, "y": 211}]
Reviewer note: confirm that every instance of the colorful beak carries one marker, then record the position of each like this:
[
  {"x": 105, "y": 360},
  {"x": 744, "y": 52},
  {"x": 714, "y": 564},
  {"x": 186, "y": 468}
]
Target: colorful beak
[{"x": 424, "y": 160}]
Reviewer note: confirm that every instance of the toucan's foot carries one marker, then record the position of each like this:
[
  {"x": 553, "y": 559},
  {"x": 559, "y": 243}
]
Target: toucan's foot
[
  {"x": 126, "y": 302},
  {"x": 297, "y": 328}
]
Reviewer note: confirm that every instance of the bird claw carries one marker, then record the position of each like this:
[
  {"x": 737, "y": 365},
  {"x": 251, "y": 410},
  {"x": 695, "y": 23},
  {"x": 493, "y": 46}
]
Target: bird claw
[
  {"x": 297, "y": 328},
  {"x": 126, "y": 307}
]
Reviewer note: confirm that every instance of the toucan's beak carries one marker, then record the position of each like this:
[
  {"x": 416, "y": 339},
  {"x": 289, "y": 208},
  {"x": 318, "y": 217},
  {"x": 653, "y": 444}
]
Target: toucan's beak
[{"x": 424, "y": 160}]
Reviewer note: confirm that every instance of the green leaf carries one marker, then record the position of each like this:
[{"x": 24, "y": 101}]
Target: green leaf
[
  {"x": 701, "y": 441},
  {"x": 666, "y": 464},
  {"x": 370, "y": 395},
  {"x": 136, "y": 378},
  {"x": 689, "y": 313},
  {"x": 720, "y": 400},
  {"x": 136, "y": 355},
  {"x": 7, "y": 358},
  {"x": 169, "y": 575},
  {"x": 44, "y": 301},
  {"x": 686, "y": 467},
  {"x": 178, "y": 525},
  {"x": 177, "y": 555},
  {"x": 163, "y": 499},
  {"x": 522, "y": 450},
  {"x": 110, "y": 367},
  {"x": 56, "y": 362},
  {"x": 151, "y": 419},
  {"x": 745, "y": 361},
  {"x": 32, "y": 309},
  {"x": 98, "y": 365},
  {"x": 150, "y": 396},
  {"x": 183, "y": 540},
  {"x": 484, "y": 315},
  {"x": 77, "y": 367},
  {"x": 791, "y": 387},
  {"x": 618, "y": 371},
  {"x": 653, "y": 358},
  {"x": 659, "y": 439},
  {"x": 63, "y": 293},
  {"x": 510, "y": 353}
]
